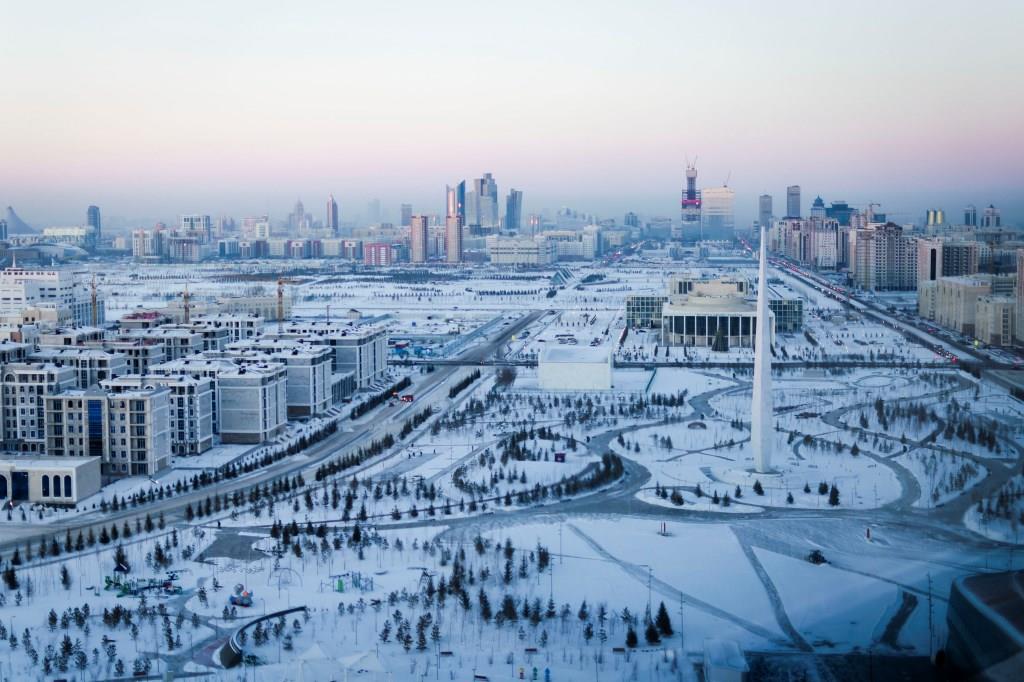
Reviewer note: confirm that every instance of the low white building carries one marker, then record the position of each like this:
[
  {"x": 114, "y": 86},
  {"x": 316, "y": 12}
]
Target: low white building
[
  {"x": 571, "y": 368},
  {"x": 49, "y": 480},
  {"x": 240, "y": 326},
  {"x": 521, "y": 250}
]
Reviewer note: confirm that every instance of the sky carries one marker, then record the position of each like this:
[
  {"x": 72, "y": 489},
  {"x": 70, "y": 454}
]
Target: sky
[{"x": 151, "y": 110}]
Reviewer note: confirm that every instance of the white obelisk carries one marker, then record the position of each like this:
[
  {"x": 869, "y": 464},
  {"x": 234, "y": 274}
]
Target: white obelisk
[{"x": 761, "y": 405}]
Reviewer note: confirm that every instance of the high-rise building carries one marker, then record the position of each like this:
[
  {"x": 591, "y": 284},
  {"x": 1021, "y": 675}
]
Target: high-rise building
[
  {"x": 373, "y": 211},
  {"x": 485, "y": 202},
  {"x": 513, "y": 210},
  {"x": 689, "y": 227},
  {"x": 453, "y": 239},
  {"x": 971, "y": 216},
  {"x": 92, "y": 216},
  {"x": 840, "y": 211},
  {"x": 717, "y": 215},
  {"x": 536, "y": 223},
  {"x": 883, "y": 258},
  {"x": 406, "y": 215},
  {"x": 764, "y": 210},
  {"x": 297, "y": 218},
  {"x": 935, "y": 217},
  {"x": 793, "y": 201},
  {"x": 198, "y": 225},
  {"x": 992, "y": 217},
  {"x": 1019, "y": 295},
  {"x": 455, "y": 200},
  {"x": 331, "y": 223},
  {"x": 3, "y": 229},
  {"x": 631, "y": 220},
  {"x": 818, "y": 209},
  {"x": 418, "y": 235}
]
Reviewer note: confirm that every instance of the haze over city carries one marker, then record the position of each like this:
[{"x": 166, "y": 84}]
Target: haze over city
[
  {"x": 552, "y": 341},
  {"x": 240, "y": 107}
]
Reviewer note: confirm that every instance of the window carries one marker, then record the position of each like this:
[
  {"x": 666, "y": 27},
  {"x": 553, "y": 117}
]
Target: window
[
  {"x": 56, "y": 486},
  {"x": 67, "y": 486},
  {"x": 46, "y": 485}
]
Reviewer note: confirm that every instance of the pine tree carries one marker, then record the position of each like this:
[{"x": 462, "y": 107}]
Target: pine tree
[
  {"x": 65, "y": 577},
  {"x": 663, "y": 621},
  {"x": 833, "y": 496},
  {"x": 631, "y": 639},
  {"x": 651, "y": 634},
  {"x": 758, "y": 488}
]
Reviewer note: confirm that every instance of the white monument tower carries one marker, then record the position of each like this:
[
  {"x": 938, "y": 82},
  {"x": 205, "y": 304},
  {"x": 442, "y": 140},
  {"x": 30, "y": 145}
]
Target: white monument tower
[{"x": 761, "y": 405}]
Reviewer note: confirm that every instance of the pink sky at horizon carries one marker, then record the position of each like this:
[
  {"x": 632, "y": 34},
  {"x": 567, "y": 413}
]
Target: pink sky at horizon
[{"x": 238, "y": 108}]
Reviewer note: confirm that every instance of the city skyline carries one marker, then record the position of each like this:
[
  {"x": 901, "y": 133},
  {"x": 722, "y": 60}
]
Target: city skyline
[{"x": 219, "y": 129}]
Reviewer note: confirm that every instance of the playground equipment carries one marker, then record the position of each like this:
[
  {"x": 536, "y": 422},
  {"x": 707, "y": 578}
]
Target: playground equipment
[{"x": 241, "y": 597}]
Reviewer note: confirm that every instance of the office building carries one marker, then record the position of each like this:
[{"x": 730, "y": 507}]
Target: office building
[
  {"x": 24, "y": 387},
  {"x": 331, "y": 222},
  {"x": 199, "y": 226},
  {"x": 992, "y": 217},
  {"x": 93, "y": 220},
  {"x": 418, "y": 239},
  {"x": 995, "y": 320},
  {"x": 764, "y": 210},
  {"x": 406, "y": 215},
  {"x": 127, "y": 431},
  {"x": 793, "y": 201},
  {"x": 377, "y": 254},
  {"x": 971, "y": 216},
  {"x": 937, "y": 258},
  {"x": 523, "y": 250},
  {"x": 453, "y": 239},
  {"x": 455, "y": 200},
  {"x": 53, "y": 296},
  {"x": 935, "y": 217},
  {"x": 513, "y": 210},
  {"x": 717, "y": 218}
]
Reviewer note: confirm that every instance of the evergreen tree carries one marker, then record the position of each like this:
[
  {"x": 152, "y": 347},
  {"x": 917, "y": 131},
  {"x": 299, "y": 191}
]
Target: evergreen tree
[
  {"x": 663, "y": 622},
  {"x": 651, "y": 634},
  {"x": 631, "y": 639},
  {"x": 833, "y": 496}
]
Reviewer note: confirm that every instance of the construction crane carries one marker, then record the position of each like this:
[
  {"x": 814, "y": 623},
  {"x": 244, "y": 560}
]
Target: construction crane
[
  {"x": 186, "y": 302},
  {"x": 95, "y": 309},
  {"x": 281, "y": 281}
]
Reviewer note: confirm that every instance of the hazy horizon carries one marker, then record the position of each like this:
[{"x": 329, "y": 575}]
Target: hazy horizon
[{"x": 240, "y": 108}]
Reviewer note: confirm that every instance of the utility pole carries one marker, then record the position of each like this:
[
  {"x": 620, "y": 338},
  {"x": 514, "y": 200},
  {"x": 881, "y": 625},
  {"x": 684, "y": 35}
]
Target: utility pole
[
  {"x": 280, "y": 305},
  {"x": 95, "y": 311},
  {"x": 931, "y": 630}
]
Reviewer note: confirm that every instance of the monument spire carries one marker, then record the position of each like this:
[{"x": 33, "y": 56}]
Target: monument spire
[{"x": 761, "y": 407}]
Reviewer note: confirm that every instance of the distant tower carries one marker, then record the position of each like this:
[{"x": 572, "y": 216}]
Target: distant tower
[
  {"x": 513, "y": 210},
  {"x": 453, "y": 239},
  {"x": 793, "y": 201},
  {"x": 764, "y": 210},
  {"x": 761, "y": 406},
  {"x": 689, "y": 228},
  {"x": 818, "y": 209},
  {"x": 406, "y": 215},
  {"x": 455, "y": 200},
  {"x": 418, "y": 236},
  {"x": 332, "y": 215},
  {"x": 992, "y": 217},
  {"x": 971, "y": 216},
  {"x": 93, "y": 221}
]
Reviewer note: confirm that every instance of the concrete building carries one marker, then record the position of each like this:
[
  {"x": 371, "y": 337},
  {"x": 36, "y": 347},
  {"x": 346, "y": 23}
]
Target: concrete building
[
  {"x": 718, "y": 214},
  {"x": 644, "y": 311},
  {"x": 793, "y": 201},
  {"x": 51, "y": 295},
  {"x": 90, "y": 365},
  {"x": 453, "y": 239},
  {"x": 60, "y": 481},
  {"x": 570, "y": 368},
  {"x": 360, "y": 351},
  {"x": 531, "y": 251},
  {"x": 956, "y": 301},
  {"x": 190, "y": 408},
  {"x": 714, "y": 313},
  {"x": 177, "y": 342},
  {"x": 253, "y": 402},
  {"x": 140, "y": 354},
  {"x": 309, "y": 369},
  {"x": 127, "y": 431},
  {"x": 240, "y": 326},
  {"x": 995, "y": 320},
  {"x": 764, "y": 210},
  {"x": 1019, "y": 296},
  {"x": 418, "y": 239},
  {"x": 24, "y": 387},
  {"x": 573, "y": 245},
  {"x": 883, "y": 258}
]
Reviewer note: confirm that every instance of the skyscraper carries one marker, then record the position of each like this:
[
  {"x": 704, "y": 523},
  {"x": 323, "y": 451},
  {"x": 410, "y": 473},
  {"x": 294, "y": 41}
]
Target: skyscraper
[
  {"x": 992, "y": 217},
  {"x": 485, "y": 202},
  {"x": 935, "y": 217},
  {"x": 818, "y": 209},
  {"x": 971, "y": 216},
  {"x": 373, "y": 211},
  {"x": 455, "y": 200},
  {"x": 513, "y": 210},
  {"x": 453, "y": 239},
  {"x": 406, "y": 215},
  {"x": 93, "y": 221},
  {"x": 793, "y": 201},
  {"x": 761, "y": 407},
  {"x": 717, "y": 214},
  {"x": 418, "y": 236},
  {"x": 764, "y": 210},
  {"x": 689, "y": 228},
  {"x": 332, "y": 215},
  {"x": 297, "y": 218}
]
